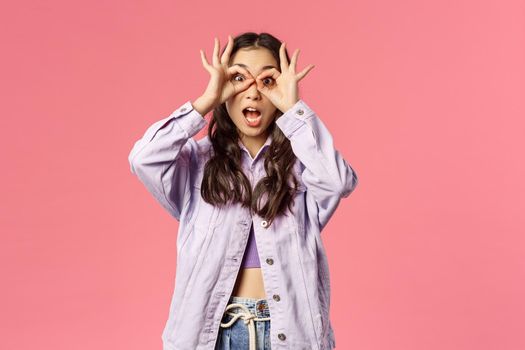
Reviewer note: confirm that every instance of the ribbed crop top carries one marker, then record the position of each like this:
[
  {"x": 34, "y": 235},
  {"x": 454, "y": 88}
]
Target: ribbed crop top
[{"x": 251, "y": 255}]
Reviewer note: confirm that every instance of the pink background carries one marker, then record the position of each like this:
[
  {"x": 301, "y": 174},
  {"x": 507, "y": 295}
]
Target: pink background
[{"x": 425, "y": 99}]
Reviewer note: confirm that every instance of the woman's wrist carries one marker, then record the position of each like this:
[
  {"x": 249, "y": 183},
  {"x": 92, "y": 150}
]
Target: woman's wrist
[{"x": 203, "y": 105}]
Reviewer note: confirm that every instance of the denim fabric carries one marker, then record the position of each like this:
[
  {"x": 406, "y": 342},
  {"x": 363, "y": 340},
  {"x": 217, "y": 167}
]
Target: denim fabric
[{"x": 236, "y": 335}]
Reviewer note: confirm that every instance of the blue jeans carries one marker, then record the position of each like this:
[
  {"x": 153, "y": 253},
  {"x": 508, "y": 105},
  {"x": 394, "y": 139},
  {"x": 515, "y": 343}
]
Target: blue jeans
[{"x": 245, "y": 325}]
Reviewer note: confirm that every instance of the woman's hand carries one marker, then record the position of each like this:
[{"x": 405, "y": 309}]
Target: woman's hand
[
  {"x": 221, "y": 87},
  {"x": 283, "y": 92}
]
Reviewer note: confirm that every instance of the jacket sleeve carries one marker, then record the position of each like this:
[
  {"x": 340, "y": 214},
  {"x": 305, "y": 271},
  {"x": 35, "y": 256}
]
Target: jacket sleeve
[
  {"x": 161, "y": 159},
  {"x": 327, "y": 176}
]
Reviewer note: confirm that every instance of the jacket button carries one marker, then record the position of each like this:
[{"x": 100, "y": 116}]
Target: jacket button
[
  {"x": 269, "y": 261},
  {"x": 183, "y": 109},
  {"x": 264, "y": 223},
  {"x": 276, "y": 297},
  {"x": 281, "y": 336},
  {"x": 300, "y": 112}
]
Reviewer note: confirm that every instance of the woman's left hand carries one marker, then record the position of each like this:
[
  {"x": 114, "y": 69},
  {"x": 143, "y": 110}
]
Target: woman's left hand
[{"x": 283, "y": 92}]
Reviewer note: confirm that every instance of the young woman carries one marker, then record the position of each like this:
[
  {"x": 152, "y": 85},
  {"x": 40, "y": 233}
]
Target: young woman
[{"x": 252, "y": 198}]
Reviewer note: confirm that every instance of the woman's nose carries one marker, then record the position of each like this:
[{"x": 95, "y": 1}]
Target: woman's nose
[{"x": 252, "y": 90}]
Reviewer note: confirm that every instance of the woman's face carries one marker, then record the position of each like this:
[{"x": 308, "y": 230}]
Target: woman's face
[{"x": 252, "y": 125}]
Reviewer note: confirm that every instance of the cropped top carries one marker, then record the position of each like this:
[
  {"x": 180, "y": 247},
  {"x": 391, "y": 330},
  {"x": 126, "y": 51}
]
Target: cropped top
[{"x": 251, "y": 256}]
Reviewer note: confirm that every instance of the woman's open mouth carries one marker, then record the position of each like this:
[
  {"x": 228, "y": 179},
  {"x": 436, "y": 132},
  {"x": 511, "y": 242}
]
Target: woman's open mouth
[{"x": 252, "y": 116}]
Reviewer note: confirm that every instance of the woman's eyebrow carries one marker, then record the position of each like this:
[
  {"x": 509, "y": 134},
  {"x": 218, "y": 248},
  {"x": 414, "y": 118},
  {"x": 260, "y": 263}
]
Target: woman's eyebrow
[{"x": 245, "y": 66}]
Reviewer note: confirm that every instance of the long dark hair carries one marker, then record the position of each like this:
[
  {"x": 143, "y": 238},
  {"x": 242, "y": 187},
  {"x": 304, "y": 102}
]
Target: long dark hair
[{"x": 223, "y": 181}]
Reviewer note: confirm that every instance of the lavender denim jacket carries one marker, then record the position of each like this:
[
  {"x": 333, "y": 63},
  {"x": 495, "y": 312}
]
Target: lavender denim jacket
[{"x": 211, "y": 241}]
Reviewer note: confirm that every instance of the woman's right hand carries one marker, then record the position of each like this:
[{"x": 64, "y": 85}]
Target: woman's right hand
[{"x": 221, "y": 86}]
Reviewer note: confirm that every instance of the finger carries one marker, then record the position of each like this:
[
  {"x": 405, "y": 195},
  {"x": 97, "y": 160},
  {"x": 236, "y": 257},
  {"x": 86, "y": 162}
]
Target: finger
[
  {"x": 273, "y": 72},
  {"x": 261, "y": 87},
  {"x": 284, "y": 60},
  {"x": 293, "y": 61},
  {"x": 238, "y": 69},
  {"x": 233, "y": 89},
  {"x": 226, "y": 55},
  {"x": 216, "y": 52},
  {"x": 304, "y": 72},
  {"x": 243, "y": 85},
  {"x": 205, "y": 63}
]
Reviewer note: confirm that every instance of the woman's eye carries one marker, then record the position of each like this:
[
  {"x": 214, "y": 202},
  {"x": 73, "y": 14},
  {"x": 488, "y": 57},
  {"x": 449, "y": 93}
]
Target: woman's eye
[
  {"x": 270, "y": 81},
  {"x": 237, "y": 76}
]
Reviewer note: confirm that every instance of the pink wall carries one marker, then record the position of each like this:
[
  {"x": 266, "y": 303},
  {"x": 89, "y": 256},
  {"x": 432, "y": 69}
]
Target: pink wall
[{"x": 424, "y": 99}]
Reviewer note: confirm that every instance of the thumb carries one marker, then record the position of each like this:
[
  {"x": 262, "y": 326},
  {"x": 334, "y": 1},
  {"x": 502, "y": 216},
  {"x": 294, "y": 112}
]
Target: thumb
[
  {"x": 261, "y": 87},
  {"x": 245, "y": 84}
]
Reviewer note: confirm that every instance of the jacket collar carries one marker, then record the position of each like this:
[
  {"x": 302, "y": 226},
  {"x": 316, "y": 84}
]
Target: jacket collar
[{"x": 264, "y": 146}]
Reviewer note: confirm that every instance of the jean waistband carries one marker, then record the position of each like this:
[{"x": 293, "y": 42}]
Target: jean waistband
[
  {"x": 258, "y": 307},
  {"x": 250, "y": 310}
]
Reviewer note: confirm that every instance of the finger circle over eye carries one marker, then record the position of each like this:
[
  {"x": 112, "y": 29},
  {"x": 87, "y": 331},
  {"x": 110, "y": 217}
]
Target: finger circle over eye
[
  {"x": 273, "y": 73},
  {"x": 237, "y": 69}
]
